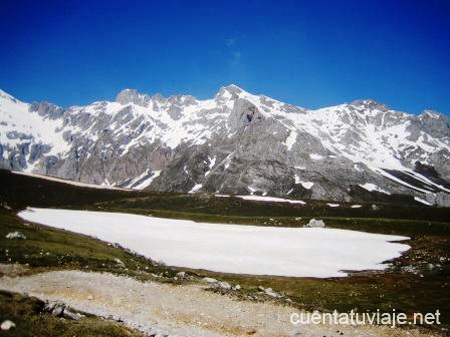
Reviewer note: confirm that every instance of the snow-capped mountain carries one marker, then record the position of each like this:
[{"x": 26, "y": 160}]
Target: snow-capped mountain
[{"x": 236, "y": 142}]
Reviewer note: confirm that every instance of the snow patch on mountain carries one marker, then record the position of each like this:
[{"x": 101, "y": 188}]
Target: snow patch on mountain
[
  {"x": 372, "y": 187},
  {"x": 270, "y": 199}
]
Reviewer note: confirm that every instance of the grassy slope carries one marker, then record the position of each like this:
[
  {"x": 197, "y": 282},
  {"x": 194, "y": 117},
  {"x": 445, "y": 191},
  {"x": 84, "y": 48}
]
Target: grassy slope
[
  {"x": 26, "y": 313},
  {"x": 425, "y": 290}
]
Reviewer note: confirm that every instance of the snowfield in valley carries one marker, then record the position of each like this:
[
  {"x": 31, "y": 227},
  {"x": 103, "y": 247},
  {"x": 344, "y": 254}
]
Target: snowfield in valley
[{"x": 296, "y": 252}]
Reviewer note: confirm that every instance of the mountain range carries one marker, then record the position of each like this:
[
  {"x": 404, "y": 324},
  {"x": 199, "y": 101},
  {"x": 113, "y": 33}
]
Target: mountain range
[{"x": 234, "y": 143}]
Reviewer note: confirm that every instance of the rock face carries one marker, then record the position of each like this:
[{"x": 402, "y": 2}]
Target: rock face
[{"x": 235, "y": 143}]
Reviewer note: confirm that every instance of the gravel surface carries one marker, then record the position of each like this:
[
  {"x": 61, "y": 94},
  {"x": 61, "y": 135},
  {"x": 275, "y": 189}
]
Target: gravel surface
[{"x": 177, "y": 310}]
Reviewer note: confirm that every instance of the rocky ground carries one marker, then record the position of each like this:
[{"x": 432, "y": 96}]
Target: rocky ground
[{"x": 160, "y": 309}]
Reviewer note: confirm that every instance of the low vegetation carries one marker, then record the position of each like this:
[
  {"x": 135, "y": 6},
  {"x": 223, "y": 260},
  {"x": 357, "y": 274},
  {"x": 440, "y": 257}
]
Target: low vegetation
[{"x": 29, "y": 318}]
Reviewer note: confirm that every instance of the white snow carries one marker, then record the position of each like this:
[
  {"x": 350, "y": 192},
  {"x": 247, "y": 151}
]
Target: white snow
[
  {"x": 305, "y": 184},
  {"x": 138, "y": 178},
  {"x": 397, "y": 180},
  {"x": 270, "y": 199},
  {"x": 425, "y": 180},
  {"x": 195, "y": 188},
  {"x": 16, "y": 117},
  {"x": 423, "y": 201},
  {"x": 70, "y": 182},
  {"x": 290, "y": 140},
  {"x": 315, "y": 156},
  {"x": 372, "y": 187},
  {"x": 212, "y": 162},
  {"x": 333, "y": 205},
  {"x": 296, "y": 252},
  {"x": 356, "y": 206},
  {"x": 147, "y": 182}
]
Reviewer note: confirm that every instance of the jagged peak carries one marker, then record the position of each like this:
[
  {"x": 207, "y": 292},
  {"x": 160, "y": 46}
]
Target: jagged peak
[
  {"x": 126, "y": 96},
  {"x": 229, "y": 91},
  {"x": 431, "y": 114},
  {"x": 370, "y": 104},
  {"x": 366, "y": 102}
]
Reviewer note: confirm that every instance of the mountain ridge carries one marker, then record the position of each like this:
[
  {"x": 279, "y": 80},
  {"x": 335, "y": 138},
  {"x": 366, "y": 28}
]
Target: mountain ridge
[{"x": 235, "y": 142}]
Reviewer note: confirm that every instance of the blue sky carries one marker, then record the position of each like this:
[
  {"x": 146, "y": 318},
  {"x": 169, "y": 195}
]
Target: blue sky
[{"x": 311, "y": 53}]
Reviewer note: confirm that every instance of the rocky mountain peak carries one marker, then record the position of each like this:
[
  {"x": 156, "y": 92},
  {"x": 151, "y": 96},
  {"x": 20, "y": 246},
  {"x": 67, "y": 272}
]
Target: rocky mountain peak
[
  {"x": 371, "y": 104},
  {"x": 47, "y": 109},
  {"x": 132, "y": 96},
  {"x": 229, "y": 92},
  {"x": 431, "y": 114}
]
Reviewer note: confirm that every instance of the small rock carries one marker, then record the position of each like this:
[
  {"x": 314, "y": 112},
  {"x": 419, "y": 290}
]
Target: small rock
[
  {"x": 6, "y": 325},
  {"x": 224, "y": 285},
  {"x": 271, "y": 293},
  {"x": 55, "y": 308},
  {"x": 70, "y": 315},
  {"x": 237, "y": 287},
  {"x": 209, "y": 280},
  {"x": 181, "y": 275},
  {"x": 15, "y": 236},
  {"x": 90, "y": 297},
  {"x": 250, "y": 331},
  {"x": 119, "y": 262},
  {"x": 313, "y": 223},
  {"x": 215, "y": 283}
]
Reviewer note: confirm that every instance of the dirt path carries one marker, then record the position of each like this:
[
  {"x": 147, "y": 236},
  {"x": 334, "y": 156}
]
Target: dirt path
[{"x": 185, "y": 310}]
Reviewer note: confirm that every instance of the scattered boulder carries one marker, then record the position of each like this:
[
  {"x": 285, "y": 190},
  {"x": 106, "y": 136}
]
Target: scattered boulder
[
  {"x": 209, "y": 280},
  {"x": 56, "y": 308},
  {"x": 71, "y": 315},
  {"x": 15, "y": 236},
  {"x": 313, "y": 223},
  {"x": 6, "y": 206},
  {"x": 217, "y": 284},
  {"x": 181, "y": 275},
  {"x": 59, "y": 309},
  {"x": 119, "y": 262},
  {"x": 7, "y": 324},
  {"x": 269, "y": 292}
]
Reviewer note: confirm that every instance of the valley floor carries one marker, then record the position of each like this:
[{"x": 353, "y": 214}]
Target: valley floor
[{"x": 177, "y": 310}]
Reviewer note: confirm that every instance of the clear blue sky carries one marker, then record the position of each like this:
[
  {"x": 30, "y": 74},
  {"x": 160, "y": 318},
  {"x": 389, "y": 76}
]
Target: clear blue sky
[{"x": 311, "y": 53}]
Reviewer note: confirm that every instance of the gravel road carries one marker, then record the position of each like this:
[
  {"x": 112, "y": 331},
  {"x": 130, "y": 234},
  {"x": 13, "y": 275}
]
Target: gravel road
[{"x": 177, "y": 310}]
